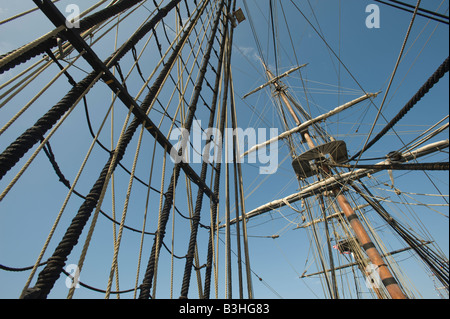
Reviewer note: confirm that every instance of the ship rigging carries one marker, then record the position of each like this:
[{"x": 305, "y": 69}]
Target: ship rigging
[{"x": 98, "y": 199}]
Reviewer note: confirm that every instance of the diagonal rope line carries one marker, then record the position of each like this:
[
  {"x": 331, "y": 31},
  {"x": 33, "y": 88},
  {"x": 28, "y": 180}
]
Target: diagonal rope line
[
  {"x": 391, "y": 80},
  {"x": 440, "y": 72}
]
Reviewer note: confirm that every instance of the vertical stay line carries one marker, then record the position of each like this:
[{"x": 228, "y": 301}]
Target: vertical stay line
[
  {"x": 52, "y": 270},
  {"x": 198, "y": 205},
  {"x": 408, "y": 32},
  {"x": 221, "y": 72},
  {"x": 150, "y": 271},
  {"x": 240, "y": 183}
]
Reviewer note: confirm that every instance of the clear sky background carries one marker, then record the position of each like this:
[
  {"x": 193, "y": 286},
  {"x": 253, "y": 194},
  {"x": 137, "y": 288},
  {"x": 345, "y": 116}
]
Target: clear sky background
[{"x": 27, "y": 213}]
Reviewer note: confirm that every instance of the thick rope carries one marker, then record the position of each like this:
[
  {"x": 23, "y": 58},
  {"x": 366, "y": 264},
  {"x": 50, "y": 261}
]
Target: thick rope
[
  {"x": 392, "y": 76},
  {"x": 47, "y": 42},
  {"x": 225, "y": 56},
  {"x": 52, "y": 271},
  {"x": 22, "y": 144},
  {"x": 401, "y": 167},
  {"x": 199, "y": 202},
  {"x": 151, "y": 266},
  {"x": 433, "y": 80}
]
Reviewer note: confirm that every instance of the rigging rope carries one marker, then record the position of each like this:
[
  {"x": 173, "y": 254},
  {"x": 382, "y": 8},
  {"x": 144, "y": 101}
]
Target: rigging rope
[
  {"x": 13, "y": 269},
  {"x": 198, "y": 206},
  {"x": 444, "y": 166},
  {"x": 433, "y": 80},
  {"x": 225, "y": 56},
  {"x": 171, "y": 192},
  {"x": 152, "y": 263},
  {"x": 408, "y": 32},
  {"x": 17, "y": 149},
  {"x": 51, "y": 272},
  {"x": 35, "y": 48},
  {"x": 444, "y": 20}
]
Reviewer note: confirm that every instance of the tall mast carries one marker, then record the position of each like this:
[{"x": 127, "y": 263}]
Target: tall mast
[{"x": 361, "y": 234}]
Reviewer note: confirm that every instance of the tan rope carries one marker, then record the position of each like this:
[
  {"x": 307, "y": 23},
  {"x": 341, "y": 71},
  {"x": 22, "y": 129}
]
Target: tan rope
[
  {"x": 99, "y": 204},
  {"x": 69, "y": 194},
  {"x": 163, "y": 173},
  {"x": 44, "y": 142},
  {"x": 124, "y": 214}
]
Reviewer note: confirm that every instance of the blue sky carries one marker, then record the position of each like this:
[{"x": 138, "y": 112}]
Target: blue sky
[{"x": 27, "y": 213}]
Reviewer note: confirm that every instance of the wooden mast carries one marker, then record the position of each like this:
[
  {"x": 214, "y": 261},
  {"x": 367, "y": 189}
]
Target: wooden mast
[{"x": 364, "y": 239}]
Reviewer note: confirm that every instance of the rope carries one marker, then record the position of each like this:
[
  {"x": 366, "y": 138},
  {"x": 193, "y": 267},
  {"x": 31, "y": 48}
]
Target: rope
[
  {"x": 163, "y": 176},
  {"x": 51, "y": 157},
  {"x": 392, "y": 77},
  {"x": 442, "y": 166},
  {"x": 242, "y": 198},
  {"x": 421, "y": 10},
  {"x": 292, "y": 207},
  {"x": 18, "y": 148},
  {"x": 225, "y": 57},
  {"x": 22, "y": 14},
  {"x": 12, "y": 269},
  {"x": 111, "y": 167},
  {"x": 211, "y": 256},
  {"x": 12, "y": 59},
  {"x": 198, "y": 205},
  {"x": 433, "y": 80},
  {"x": 152, "y": 263},
  {"x": 117, "y": 241},
  {"x": 6, "y": 268},
  {"x": 420, "y": 14},
  {"x": 37, "y": 96},
  {"x": 26, "y": 52},
  {"x": 68, "y": 196},
  {"x": 51, "y": 272}
]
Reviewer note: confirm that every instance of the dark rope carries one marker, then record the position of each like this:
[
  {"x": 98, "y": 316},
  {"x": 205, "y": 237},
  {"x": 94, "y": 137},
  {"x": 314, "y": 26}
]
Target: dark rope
[
  {"x": 52, "y": 271},
  {"x": 437, "y": 14},
  {"x": 12, "y": 269},
  {"x": 16, "y": 150},
  {"x": 22, "y": 144},
  {"x": 209, "y": 261},
  {"x": 51, "y": 157},
  {"x": 97, "y": 289},
  {"x": 85, "y": 24},
  {"x": 198, "y": 205},
  {"x": 442, "y": 166},
  {"x": 69, "y": 77},
  {"x": 434, "y": 79},
  {"x": 148, "y": 277},
  {"x": 412, "y": 11}
]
